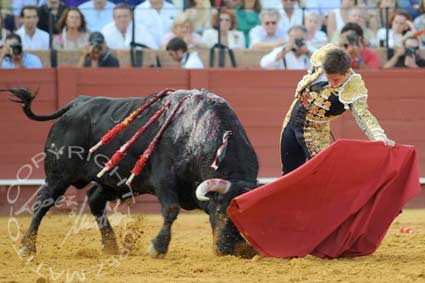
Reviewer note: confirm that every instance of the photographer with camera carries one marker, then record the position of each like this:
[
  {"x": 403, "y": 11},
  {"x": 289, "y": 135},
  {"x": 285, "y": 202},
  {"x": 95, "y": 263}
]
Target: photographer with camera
[
  {"x": 295, "y": 55},
  {"x": 406, "y": 57},
  {"x": 96, "y": 54},
  {"x": 13, "y": 57},
  {"x": 352, "y": 40}
]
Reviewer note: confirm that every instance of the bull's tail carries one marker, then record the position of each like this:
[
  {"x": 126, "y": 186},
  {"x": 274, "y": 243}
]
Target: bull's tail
[{"x": 25, "y": 97}]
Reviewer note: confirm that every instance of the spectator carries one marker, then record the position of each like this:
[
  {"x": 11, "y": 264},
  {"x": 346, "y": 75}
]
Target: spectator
[
  {"x": 315, "y": 37},
  {"x": 32, "y": 37},
  {"x": 338, "y": 18},
  {"x": 290, "y": 15},
  {"x": 199, "y": 14},
  {"x": 12, "y": 55},
  {"x": 267, "y": 36},
  {"x": 230, "y": 37},
  {"x": 247, "y": 17},
  {"x": 362, "y": 57},
  {"x": 182, "y": 27},
  {"x": 406, "y": 57},
  {"x": 97, "y": 54},
  {"x": 178, "y": 51},
  {"x": 378, "y": 17},
  {"x": 157, "y": 16},
  {"x": 74, "y": 31},
  {"x": 295, "y": 55},
  {"x": 57, "y": 9},
  {"x": 17, "y": 6},
  {"x": 3, "y": 32},
  {"x": 97, "y": 13},
  {"x": 118, "y": 33},
  {"x": 358, "y": 15},
  {"x": 400, "y": 24}
]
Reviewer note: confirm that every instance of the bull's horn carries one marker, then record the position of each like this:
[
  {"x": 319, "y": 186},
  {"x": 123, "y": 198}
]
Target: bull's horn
[{"x": 212, "y": 185}]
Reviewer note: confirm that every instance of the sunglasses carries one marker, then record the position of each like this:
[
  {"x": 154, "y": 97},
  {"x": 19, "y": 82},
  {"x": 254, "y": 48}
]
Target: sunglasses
[
  {"x": 289, "y": 0},
  {"x": 270, "y": 23}
]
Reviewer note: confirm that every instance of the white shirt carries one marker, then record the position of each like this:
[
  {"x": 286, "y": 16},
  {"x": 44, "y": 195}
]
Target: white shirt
[
  {"x": 97, "y": 19},
  {"x": 192, "y": 61},
  {"x": 322, "y": 7},
  {"x": 235, "y": 39},
  {"x": 394, "y": 40},
  {"x": 39, "y": 41},
  {"x": 157, "y": 23},
  {"x": 291, "y": 62},
  {"x": 319, "y": 39},
  {"x": 115, "y": 39},
  {"x": 285, "y": 22},
  {"x": 259, "y": 34}
]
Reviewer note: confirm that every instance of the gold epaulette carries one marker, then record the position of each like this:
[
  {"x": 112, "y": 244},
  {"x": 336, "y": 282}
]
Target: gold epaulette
[
  {"x": 353, "y": 89},
  {"x": 306, "y": 81},
  {"x": 316, "y": 69},
  {"x": 318, "y": 57}
]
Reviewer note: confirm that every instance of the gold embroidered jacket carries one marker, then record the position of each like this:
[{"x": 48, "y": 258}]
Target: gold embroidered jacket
[{"x": 322, "y": 106}]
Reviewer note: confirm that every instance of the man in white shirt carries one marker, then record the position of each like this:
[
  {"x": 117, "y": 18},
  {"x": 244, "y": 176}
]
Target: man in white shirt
[
  {"x": 97, "y": 14},
  {"x": 267, "y": 35},
  {"x": 157, "y": 16},
  {"x": 17, "y": 6},
  {"x": 295, "y": 55},
  {"x": 118, "y": 33},
  {"x": 177, "y": 50},
  {"x": 32, "y": 37}
]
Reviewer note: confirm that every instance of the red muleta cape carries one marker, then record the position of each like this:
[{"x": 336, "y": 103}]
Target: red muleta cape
[{"x": 338, "y": 204}]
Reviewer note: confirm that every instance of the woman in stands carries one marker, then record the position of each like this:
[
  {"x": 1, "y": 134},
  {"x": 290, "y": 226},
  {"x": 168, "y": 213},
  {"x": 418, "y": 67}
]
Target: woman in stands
[
  {"x": 199, "y": 14},
  {"x": 182, "y": 28},
  {"x": 401, "y": 27},
  {"x": 74, "y": 31},
  {"x": 230, "y": 37},
  {"x": 247, "y": 17}
]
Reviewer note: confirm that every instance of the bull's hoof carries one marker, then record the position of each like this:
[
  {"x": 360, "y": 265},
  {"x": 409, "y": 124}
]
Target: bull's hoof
[
  {"x": 26, "y": 251},
  {"x": 153, "y": 253}
]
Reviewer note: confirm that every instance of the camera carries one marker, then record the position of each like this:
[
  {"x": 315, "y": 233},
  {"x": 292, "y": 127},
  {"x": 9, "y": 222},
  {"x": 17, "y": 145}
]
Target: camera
[
  {"x": 410, "y": 51},
  {"x": 351, "y": 39},
  {"x": 299, "y": 42},
  {"x": 16, "y": 49}
]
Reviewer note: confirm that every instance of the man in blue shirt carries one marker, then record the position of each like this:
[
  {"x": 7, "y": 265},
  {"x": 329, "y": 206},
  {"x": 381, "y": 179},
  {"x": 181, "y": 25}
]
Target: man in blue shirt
[{"x": 13, "y": 57}]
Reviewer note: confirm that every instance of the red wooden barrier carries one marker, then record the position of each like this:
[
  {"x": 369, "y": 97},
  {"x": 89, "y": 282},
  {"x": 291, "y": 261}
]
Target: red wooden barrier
[{"x": 260, "y": 98}]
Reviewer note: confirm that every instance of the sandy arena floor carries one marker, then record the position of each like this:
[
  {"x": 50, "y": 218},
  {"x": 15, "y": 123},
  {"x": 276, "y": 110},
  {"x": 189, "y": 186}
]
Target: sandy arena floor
[{"x": 77, "y": 257}]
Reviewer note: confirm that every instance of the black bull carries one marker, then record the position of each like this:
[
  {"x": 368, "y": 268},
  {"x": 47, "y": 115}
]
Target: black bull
[{"x": 175, "y": 172}]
